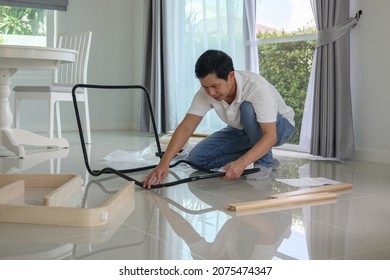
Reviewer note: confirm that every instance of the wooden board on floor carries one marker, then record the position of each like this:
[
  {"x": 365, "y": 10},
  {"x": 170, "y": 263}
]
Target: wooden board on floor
[
  {"x": 52, "y": 213},
  {"x": 321, "y": 189},
  {"x": 293, "y": 197},
  {"x": 268, "y": 203},
  {"x": 195, "y": 134},
  {"x": 195, "y": 137}
]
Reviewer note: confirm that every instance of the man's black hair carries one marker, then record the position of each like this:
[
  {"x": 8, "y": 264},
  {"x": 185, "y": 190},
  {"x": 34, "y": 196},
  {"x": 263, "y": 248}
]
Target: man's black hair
[{"x": 214, "y": 62}]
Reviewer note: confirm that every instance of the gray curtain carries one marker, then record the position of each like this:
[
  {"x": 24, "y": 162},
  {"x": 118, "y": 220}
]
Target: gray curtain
[
  {"x": 332, "y": 124},
  {"x": 154, "y": 73},
  {"x": 38, "y": 4}
]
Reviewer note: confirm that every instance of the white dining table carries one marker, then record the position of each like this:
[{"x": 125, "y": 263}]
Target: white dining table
[{"x": 13, "y": 58}]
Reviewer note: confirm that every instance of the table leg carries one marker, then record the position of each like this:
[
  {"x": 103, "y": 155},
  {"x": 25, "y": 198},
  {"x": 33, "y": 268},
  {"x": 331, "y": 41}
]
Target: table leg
[{"x": 15, "y": 139}]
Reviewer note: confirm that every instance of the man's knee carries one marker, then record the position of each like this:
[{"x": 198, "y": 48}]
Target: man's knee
[{"x": 195, "y": 157}]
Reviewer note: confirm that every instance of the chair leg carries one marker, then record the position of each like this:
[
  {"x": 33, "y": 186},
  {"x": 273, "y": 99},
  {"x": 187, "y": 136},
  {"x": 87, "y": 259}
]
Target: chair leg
[
  {"x": 87, "y": 121},
  {"x": 58, "y": 118},
  {"x": 52, "y": 104}
]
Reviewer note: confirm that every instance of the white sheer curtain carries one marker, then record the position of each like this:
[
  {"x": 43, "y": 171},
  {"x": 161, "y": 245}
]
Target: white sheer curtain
[
  {"x": 190, "y": 28},
  {"x": 252, "y": 51}
]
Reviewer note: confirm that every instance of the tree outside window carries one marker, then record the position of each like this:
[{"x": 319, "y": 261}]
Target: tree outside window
[
  {"x": 287, "y": 66},
  {"x": 17, "y": 22}
]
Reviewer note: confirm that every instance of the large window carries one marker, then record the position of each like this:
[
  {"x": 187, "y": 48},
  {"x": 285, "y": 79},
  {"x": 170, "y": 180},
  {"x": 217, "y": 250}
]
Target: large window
[
  {"x": 23, "y": 26},
  {"x": 286, "y": 37},
  {"x": 193, "y": 27}
]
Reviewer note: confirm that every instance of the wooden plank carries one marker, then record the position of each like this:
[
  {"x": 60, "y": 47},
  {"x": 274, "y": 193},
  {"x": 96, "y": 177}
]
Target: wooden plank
[
  {"x": 259, "y": 204},
  {"x": 63, "y": 193},
  {"x": 322, "y": 189},
  {"x": 11, "y": 191},
  {"x": 66, "y": 185},
  {"x": 37, "y": 180},
  {"x": 194, "y": 134},
  {"x": 195, "y": 138},
  {"x": 282, "y": 207}
]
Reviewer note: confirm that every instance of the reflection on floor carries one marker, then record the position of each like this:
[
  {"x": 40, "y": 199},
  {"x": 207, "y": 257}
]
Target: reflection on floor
[{"x": 189, "y": 221}]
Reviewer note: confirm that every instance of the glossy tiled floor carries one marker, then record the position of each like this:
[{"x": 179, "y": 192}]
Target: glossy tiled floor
[{"x": 188, "y": 221}]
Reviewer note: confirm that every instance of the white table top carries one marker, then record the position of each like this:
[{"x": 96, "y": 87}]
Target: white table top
[{"x": 28, "y": 57}]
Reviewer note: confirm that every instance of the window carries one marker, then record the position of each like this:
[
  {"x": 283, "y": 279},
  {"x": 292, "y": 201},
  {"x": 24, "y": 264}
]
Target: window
[
  {"x": 193, "y": 27},
  {"x": 286, "y": 36},
  {"x": 23, "y": 26}
]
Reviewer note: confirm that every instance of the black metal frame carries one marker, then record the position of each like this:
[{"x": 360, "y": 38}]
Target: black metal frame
[{"x": 159, "y": 153}]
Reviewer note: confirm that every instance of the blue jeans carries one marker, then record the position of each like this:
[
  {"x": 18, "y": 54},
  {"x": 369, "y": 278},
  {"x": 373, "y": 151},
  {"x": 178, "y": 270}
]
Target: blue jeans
[{"x": 229, "y": 144}]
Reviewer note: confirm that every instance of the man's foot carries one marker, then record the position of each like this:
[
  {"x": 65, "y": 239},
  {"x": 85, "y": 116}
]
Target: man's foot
[{"x": 263, "y": 174}]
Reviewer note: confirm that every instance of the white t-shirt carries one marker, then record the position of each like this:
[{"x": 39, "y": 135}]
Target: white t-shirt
[{"x": 251, "y": 87}]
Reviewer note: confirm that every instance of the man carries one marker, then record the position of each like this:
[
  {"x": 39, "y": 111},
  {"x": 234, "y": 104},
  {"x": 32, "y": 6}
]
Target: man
[{"x": 257, "y": 119}]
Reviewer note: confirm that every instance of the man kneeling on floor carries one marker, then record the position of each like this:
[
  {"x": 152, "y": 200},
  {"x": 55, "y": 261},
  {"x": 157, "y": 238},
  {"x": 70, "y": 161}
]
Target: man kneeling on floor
[{"x": 257, "y": 119}]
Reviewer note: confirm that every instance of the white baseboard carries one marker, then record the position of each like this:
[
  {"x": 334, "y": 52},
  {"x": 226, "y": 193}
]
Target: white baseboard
[
  {"x": 372, "y": 156},
  {"x": 375, "y": 156}
]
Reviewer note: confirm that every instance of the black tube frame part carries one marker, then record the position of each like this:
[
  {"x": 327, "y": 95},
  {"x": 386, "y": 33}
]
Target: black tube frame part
[{"x": 122, "y": 173}]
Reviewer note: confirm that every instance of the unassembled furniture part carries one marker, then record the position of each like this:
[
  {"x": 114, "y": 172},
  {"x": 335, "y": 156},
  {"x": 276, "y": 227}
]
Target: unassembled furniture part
[
  {"x": 52, "y": 212},
  {"x": 195, "y": 137},
  {"x": 290, "y": 198},
  {"x": 314, "y": 190}
]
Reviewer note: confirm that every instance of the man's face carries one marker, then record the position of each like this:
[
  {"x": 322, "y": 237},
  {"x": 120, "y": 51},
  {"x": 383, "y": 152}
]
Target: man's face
[{"x": 217, "y": 88}]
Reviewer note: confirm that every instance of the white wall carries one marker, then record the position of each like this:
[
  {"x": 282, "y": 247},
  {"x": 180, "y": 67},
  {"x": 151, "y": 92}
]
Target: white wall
[
  {"x": 116, "y": 58},
  {"x": 370, "y": 77}
]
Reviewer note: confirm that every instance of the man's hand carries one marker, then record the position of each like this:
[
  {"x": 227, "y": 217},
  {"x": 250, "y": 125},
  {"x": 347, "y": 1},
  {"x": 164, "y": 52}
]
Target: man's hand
[
  {"x": 179, "y": 138},
  {"x": 155, "y": 177},
  {"x": 234, "y": 169}
]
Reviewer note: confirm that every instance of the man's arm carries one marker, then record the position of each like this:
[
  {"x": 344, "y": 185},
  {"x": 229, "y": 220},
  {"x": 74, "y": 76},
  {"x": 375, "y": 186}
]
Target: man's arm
[{"x": 179, "y": 138}]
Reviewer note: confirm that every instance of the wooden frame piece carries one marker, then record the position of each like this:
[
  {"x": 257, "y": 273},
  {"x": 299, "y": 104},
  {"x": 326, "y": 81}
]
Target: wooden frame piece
[
  {"x": 282, "y": 207},
  {"x": 66, "y": 185},
  {"x": 322, "y": 189},
  {"x": 291, "y": 198},
  {"x": 268, "y": 203},
  {"x": 195, "y": 137},
  {"x": 11, "y": 191},
  {"x": 51, "y": 213},
  {"x": 194, "y": 134}
]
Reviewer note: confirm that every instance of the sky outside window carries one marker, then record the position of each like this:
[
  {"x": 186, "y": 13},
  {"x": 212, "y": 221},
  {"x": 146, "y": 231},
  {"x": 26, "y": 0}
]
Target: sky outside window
[{"x": 287, "y": 15}]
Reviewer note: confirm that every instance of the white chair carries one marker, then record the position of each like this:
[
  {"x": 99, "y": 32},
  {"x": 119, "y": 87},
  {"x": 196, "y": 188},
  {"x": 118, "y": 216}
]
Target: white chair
[{"x": 65, "y": 77}]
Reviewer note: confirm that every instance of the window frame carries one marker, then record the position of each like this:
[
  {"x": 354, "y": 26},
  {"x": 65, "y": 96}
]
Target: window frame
[
  {"x": 286, "y": 39},
  {"x": 37, "y": 4}
]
